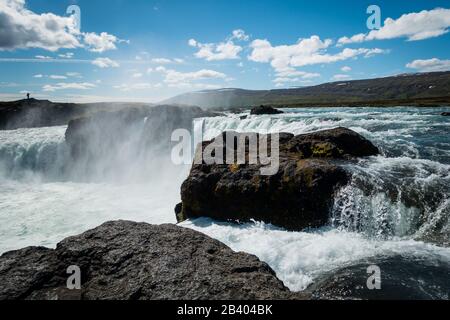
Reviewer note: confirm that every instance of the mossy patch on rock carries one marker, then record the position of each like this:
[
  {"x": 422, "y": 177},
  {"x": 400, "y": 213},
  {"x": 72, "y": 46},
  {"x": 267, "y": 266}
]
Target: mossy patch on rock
[{"x": 324, "y": 150}]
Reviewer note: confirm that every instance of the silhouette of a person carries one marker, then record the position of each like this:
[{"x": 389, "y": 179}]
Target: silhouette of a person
[{"x": 28, "y": 96}]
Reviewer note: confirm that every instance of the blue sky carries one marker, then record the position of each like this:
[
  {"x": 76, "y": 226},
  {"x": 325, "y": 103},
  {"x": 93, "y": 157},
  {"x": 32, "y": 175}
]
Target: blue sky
[{"x": 145, "y": 50}]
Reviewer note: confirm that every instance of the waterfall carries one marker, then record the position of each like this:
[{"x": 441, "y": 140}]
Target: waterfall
[
  {"x": 37, "y": 152},
  {"x": 396, "y": 194}
]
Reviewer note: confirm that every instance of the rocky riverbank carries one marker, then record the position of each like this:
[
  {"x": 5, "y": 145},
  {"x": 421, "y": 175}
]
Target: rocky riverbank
[
  {"x": 125, "y": 260},
  {"x": 136, "y": 261}
]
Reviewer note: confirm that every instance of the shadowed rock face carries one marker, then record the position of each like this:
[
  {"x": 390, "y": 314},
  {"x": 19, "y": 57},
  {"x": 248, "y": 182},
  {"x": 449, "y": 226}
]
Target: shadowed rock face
[
  {"x": 137, "y": 261},
  {"x": 297, "y": 197},
  {"x": 264, "y": 110},
  {"x": 31, "y": 113}
]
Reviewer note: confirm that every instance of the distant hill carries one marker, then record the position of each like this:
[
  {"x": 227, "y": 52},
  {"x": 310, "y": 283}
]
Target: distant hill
[{"x": 406, "y": 89}]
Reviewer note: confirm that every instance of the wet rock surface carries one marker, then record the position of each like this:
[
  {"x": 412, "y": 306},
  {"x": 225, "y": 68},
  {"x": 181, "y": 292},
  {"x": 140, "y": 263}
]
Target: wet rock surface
[
  {"x": 136, "y": 261},
  {"x": 401, "y": 278}
]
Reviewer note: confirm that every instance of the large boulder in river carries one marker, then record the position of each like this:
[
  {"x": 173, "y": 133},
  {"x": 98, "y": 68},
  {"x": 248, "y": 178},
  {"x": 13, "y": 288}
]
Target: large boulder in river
[
  {"x": 264, "y": 110},
  {"x": 298, "y": 196},
  {"x": 137, "y": 261},
  {"x": 402, "y": 277}
]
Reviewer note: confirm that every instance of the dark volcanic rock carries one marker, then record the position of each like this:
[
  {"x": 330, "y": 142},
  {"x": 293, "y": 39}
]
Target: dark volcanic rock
[
  {"x": 31, "y": 113},
  {"x": 137, "y": 261},
  {"x": 264, "y": 110},
  {"x": 299, "y": 195},
  {"x": 401, "y": 278},
  {"x": 23, "y": 271}
]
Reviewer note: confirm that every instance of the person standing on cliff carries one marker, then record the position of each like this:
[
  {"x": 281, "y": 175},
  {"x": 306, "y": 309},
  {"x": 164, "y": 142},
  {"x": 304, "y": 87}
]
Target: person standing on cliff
[{"x": 28, "y": 96}]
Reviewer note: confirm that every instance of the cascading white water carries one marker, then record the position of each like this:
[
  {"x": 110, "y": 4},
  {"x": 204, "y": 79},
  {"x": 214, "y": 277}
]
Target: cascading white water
[
  {"x": 392, "y": 200},
  {"x": 32, "y": 152}
]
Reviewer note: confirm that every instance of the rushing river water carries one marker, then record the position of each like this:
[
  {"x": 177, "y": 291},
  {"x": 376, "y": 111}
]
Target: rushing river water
[{"x": 397, "y": 203}]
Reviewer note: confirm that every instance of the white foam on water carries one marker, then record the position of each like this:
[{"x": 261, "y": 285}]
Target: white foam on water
[
  {"x": 42, "y": 214},
  {"x": 299, "y": 258}
]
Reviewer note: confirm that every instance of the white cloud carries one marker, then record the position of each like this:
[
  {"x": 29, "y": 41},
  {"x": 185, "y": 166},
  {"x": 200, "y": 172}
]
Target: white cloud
[
  {"x": 292, "y": 72},
  {"x": 136, "y": 86},
  {"x": 430, "y": 65},
  {"x": 192, "y": 42},
  {"x": 137, "y": 75},
  {"x": 74, "y": 74},
  {"x": 305, "y": 52},
  {"x": 160, "y": 69},
  {"x": 225, "y": 50},
  {"x": 346, "y": 69},
  {"x": 142, "y": 55},
  {"x": 217, "y": 51},
  {"x": 310, "y": 51},
  {"x": 66, "y": 86},
  {"x": 161, "y": 60},
  {"x": 173, "y": 76},
  {"x": 105, "y": 63},
  {"x": 40, "y": 57},
  {"x": 22, "y": 28},
  {"x": 239, "y": 35},
  {"x": 340, "y": 77},
  {"x": 167, "y": 60},
  {"x": 57, "y": 77},
  {"x": 189, "y": 80},
  {"x": 68, "y": 55},
  {"x": 413, "y": 26},
  {"x": 100, "y": 42}
]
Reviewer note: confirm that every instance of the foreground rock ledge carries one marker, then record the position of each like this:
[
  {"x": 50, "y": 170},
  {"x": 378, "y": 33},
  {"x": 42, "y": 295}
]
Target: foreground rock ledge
[
  {"x": 298, "y": 196},
  {"x": 137, "y": 261}
]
